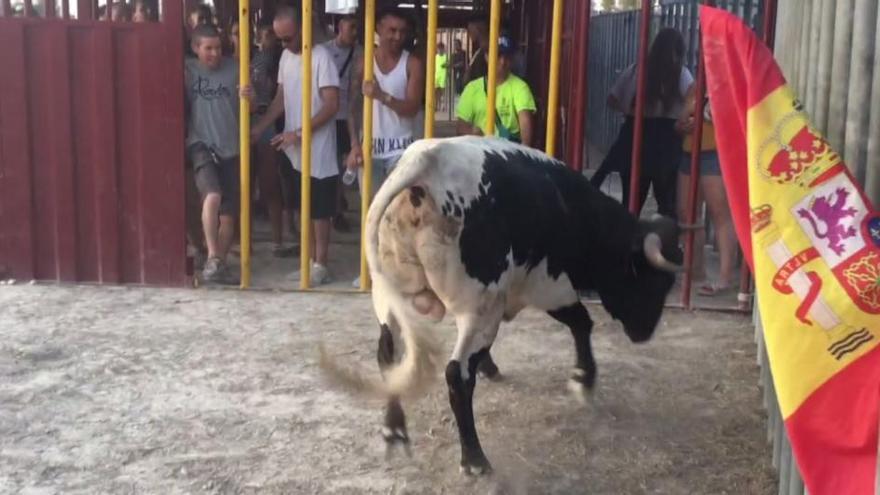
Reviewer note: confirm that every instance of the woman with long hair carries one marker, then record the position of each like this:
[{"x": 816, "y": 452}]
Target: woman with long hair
[{"x": 667, "y": 83}]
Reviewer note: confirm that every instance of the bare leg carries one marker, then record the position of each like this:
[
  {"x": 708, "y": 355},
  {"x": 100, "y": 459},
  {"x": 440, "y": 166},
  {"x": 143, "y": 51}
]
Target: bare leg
[
  {"x": 698, "y": 267},
  {"x": 210, "y": 223},
  {"x": 225, "y": 235},
  {"x": 321, "y": 240},
  {"x": 716, "y": 201}
]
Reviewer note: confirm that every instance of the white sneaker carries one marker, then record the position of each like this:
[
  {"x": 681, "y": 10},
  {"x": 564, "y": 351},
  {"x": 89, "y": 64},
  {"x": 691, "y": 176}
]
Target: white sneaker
[
  {"x": 319, "y": 275},
  {"x": 356, "y": 283}
]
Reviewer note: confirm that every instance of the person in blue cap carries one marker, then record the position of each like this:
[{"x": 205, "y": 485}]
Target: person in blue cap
[{"x": 514, "y": 102}]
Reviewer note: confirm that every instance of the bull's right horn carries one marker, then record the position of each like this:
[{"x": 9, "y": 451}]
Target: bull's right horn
[{"x": 653, "y": 247}]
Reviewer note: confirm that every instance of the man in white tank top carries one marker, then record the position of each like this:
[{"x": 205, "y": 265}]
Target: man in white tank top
[{"x": 397, "y": 89}]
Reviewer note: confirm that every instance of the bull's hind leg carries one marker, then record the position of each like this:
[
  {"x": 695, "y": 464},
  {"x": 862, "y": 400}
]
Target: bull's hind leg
[
  {"x": 394, "y": 429},
  {"x": 577, "y": 319},
  {"x": 475, "y": 337}
]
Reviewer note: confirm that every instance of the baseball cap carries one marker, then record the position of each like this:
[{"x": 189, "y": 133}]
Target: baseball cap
[{"x": 506, "y": 46}]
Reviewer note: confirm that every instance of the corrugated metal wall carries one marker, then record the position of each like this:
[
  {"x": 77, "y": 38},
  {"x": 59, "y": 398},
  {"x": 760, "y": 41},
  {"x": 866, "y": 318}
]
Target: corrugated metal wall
[
  {"x": 91, "y": 150},
  {"x": 830, "y": 53}
]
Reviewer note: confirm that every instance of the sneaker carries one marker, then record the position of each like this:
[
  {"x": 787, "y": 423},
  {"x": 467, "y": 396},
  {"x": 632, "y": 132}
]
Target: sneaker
[
  {"x": 318, "y": 274},
  {"x": 356, "y": 283},
  {"x": 211, "y": 273}
]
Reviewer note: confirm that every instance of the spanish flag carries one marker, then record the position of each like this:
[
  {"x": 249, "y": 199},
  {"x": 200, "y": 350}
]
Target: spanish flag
[{"x": 812, "y": 240}]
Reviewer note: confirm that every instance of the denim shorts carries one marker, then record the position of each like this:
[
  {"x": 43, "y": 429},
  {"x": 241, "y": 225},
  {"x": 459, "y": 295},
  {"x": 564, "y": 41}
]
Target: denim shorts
[{"x": 709, "y": 164}]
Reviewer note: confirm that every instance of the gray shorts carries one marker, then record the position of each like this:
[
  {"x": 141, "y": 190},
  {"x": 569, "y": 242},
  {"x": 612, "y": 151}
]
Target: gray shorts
[{"x": 220, "y": 176}]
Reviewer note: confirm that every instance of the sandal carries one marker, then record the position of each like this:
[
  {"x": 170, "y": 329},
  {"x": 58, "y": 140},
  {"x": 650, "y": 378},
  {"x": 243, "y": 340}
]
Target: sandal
[{"x": 714, "y": 289}]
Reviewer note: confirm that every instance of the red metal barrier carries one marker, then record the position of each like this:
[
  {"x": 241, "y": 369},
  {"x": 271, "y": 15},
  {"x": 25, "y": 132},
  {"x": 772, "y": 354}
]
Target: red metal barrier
[
  {"x": 639, "y": 127},
  {"x": 578, "y": 95},
  {"x": 694, "y": 179},
  {"x": 91, "y": 150}
]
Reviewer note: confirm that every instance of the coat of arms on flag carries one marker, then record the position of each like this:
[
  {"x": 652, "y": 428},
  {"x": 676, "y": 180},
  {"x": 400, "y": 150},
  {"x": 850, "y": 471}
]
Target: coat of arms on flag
[{"x": 813, "y": 241}]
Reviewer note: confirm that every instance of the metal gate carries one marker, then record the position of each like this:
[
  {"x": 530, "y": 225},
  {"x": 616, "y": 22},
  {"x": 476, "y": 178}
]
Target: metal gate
[{"x": 91, "y": 146}]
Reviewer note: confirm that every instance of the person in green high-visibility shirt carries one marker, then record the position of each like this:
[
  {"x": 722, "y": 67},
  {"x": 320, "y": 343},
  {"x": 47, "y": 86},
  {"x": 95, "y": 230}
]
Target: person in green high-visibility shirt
[
  {"x": 514, "y": 102},
  {"x": 441, "y": 61}
]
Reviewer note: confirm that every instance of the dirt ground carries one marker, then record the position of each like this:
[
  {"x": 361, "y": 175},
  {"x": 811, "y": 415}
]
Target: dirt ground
[{"x": 131, "y": 390}]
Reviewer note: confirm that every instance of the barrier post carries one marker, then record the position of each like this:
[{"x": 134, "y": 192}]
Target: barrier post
[
  {"x": 553, "y": 96},
  {"x": 367, "y": 182},
  {"x": 306, "y": 148},
  {"x": 693, "y": 183},
  {"x": 639, "y": 124},
  {"x": 244, "y": 110},
  {"x": 432, "y": 69},
  {"x": 578, "y": 108},
  {"x": 492, "y": 76}
]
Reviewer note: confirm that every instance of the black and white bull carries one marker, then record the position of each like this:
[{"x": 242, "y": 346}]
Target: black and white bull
[{"x": 481, "y": 228}]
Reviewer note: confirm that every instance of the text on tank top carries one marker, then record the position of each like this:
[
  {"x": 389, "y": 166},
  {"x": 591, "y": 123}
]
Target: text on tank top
[{"x": 391, "y": 132}]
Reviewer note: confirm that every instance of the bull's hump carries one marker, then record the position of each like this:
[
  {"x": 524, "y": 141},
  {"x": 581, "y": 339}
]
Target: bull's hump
[{"x": 517, "y": 217}]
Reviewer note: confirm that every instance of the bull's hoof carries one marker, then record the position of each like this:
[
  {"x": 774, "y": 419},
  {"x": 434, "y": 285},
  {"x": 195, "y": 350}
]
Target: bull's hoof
[
  {"x": 580, "y": 384},
  {"x": 488, "y": 369},
  {"x": 477, "y": 465},
  {"x": 395, "y": 438}
]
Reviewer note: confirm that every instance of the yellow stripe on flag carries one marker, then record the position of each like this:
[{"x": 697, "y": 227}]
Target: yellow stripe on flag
[{"x": 817, "y": 277}]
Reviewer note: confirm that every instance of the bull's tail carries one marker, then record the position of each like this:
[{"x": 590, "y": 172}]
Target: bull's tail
[
  {"x": 408, "y": 379},
  {"x": 420, "y": 365}
]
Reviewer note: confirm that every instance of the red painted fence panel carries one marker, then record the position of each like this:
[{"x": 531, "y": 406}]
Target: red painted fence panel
[{"x": 91, "y": 150}]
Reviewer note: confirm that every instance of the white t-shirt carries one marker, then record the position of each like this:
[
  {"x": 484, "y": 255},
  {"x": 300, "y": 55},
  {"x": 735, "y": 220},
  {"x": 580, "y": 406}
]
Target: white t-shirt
[
  {"x": 324, "y": 139},
  {"x": 624, "y": 90}
]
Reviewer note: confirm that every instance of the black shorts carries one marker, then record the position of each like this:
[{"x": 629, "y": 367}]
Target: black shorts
[
  {"x": 323, "y": 195},
  {"x": 217, "y": 175},
  {"x": 289, "y": 194},
  {"x": 343, "y": 142}
]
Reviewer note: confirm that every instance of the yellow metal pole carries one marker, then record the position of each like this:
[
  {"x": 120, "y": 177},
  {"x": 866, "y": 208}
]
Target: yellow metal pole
[
  {"x": 367, "y": 183},
  {"x": 432, "y": 69},
  {"x": 492, "y": 76},
  {"x": 553, "y": 97},
  {"x": 306, "y": 144},
  {"x": 244, "y": 109}
]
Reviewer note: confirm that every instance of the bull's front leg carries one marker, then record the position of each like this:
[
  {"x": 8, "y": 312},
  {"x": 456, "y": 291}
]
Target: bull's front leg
[
  {"x": 475, "y": 337},
  {"x": 577, "y": 319},
  {"x": 488, "y": 369},
  {"x": 394, "y": 428}
]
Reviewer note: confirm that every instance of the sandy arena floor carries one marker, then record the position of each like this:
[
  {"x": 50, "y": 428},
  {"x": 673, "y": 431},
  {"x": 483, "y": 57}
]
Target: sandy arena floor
[{"x": 123, "y": 390}]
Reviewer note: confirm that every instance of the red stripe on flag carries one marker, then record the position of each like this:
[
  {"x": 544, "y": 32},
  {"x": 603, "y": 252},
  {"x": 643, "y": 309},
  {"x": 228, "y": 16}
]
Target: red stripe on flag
[
  {"x": 740, "y": 72},
  {"x": 834, "y": 432}
]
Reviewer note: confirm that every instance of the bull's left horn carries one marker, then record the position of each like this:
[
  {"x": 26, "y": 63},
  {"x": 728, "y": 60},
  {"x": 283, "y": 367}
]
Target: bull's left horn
[{"x": 653, "y": 252}]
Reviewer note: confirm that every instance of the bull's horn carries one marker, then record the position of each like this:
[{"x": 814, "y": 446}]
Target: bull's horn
[{"x": 653, "y": 246}]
